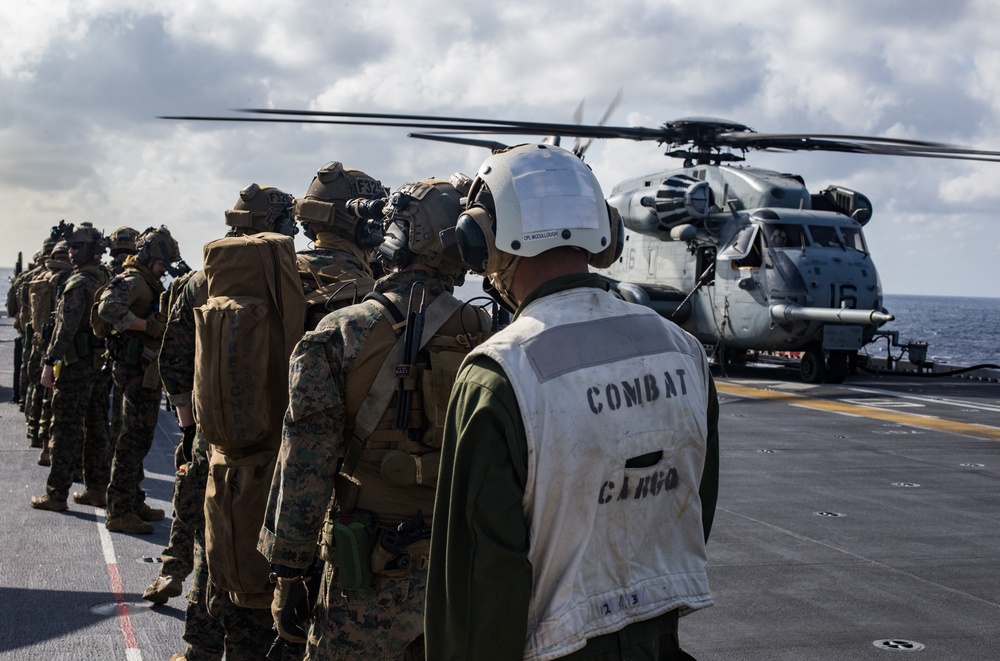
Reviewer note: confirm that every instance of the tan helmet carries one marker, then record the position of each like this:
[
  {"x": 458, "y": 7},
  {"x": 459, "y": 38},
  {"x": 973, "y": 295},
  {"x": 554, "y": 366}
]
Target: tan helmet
[
  {"x": 262, "y": 209},
  {"x": 324, "y": 207},
  {"x": 60, "y": 251},
  {"x": 156, "y": 243},
  {"x": 415, "y": 215},
  {"x": 89, "y": 243},
  {"x": 122, "y": 241}
]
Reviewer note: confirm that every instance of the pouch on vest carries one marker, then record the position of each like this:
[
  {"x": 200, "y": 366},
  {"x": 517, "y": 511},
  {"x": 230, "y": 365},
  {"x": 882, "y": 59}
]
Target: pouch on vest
[
  {"x": 41, "y": 297},
  {"x": 244, "y": 333},
  {"x": 235, "y": 500},
  {"x": 446, "y": 356},
  {"x": 354, "y": 536}
]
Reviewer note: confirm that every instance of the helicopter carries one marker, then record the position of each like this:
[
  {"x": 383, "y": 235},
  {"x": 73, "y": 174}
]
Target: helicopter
[{"x": 747, "y": 260}]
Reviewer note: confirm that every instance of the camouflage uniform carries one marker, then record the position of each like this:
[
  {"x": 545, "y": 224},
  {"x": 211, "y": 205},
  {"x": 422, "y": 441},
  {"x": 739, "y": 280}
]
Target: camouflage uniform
[
  {"x": 49, "y": 282},
  {"x": 133, "y": 294},
  {"x": 23, "y": 321},
  {"x": 72, "y": 338},
  {"x": 117, "y": 267},
  {"x": 185, "y": 551},
  {"x": 325, "y": 392}
]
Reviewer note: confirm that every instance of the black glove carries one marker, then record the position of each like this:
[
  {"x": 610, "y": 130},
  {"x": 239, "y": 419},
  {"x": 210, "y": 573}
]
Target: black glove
[{"x": 187, "y": 441}]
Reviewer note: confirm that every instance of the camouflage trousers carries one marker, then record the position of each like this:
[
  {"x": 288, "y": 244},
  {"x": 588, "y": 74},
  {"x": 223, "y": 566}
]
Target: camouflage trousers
[
  {"x": 385, "y": 621},
  {"x": 36, "y": 395},
  {"x": 97, "y": 448},
  {"x": 204, "y": 634},
  {"x": 70, "y": 400},
  {"x": 189, "y": 514},
  {"x": 140, "y": 410}
]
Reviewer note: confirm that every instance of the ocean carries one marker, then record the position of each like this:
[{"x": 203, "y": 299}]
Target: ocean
[{"x": 958, "y": 330}]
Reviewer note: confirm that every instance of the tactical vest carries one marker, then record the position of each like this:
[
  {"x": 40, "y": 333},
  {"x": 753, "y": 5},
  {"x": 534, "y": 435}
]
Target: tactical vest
[
  {"x": 85, "y": 344},
  {"x": 614, "y": 401},
  {"x": 147, "y": 289},
  {"x": 43, "y": 296},
  {"x": 396, "y": 469},
  {"x": 328, "y": 287}
]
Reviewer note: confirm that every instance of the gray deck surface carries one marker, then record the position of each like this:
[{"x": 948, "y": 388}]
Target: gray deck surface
[{"x": 912, "y": 468}]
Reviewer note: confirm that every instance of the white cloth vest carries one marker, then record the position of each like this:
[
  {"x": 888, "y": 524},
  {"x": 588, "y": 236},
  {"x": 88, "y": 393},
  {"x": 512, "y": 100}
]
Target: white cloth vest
[{"x": 614, "y": 402}]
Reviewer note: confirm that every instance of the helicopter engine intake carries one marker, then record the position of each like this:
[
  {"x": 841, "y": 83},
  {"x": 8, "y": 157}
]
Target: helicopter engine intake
[{"x": 668, "y": 213}]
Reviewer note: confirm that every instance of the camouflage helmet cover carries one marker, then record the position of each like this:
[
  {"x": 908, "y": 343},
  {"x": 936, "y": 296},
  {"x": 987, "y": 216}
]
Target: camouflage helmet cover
[
  {"x": 122, "y": 240},
  {"x": 415, "y": 216},
  {"x": 157, "y": 243}
]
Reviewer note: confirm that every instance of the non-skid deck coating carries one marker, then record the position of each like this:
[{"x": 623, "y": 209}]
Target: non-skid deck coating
[{"x": 857, "y": 521}]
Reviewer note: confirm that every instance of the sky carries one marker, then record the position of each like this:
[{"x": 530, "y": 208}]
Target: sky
[{"x": 82, "y": 83}]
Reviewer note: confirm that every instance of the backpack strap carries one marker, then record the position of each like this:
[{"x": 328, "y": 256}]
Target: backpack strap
[{"x": 370, "y": 412}]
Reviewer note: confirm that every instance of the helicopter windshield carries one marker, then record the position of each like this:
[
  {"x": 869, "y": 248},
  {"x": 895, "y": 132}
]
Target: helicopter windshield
[
  {"x": 785, "y": 235},
  {"x": 826, "y": 236},
  {"x": 853, "y": 238}
]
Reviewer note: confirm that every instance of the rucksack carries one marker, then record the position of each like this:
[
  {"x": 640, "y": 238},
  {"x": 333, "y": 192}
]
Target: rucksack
[{"x": 244, "y": 335}]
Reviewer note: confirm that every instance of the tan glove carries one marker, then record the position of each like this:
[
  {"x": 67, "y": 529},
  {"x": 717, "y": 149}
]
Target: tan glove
[
  {"x": 155, "y": 326},
  {"x": 290, "y": 609}
]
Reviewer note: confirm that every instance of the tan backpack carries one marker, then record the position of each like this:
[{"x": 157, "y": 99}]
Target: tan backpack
[{"x": 245, "y": 333}]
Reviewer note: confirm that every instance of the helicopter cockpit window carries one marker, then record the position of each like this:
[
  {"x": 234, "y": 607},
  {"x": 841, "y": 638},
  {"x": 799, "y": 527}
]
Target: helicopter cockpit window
[
  {"x": 853, "y": 238},
  {"x": 825, "y": 236},
  {"x": 744, "y": 248},
  {"x": 784, "y": 235}
]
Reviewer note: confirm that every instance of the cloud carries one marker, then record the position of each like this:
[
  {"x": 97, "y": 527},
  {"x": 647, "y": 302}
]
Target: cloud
[{"x": 83, "y": 82}]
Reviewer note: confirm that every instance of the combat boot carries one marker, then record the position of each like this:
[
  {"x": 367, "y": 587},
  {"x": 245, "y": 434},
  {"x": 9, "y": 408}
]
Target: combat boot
[
  {"x": 43, "y": 458},
  {"x": 33, "y": 440},
  {"x": 163, "y": 588},
  {"x": 89, "y": 496},
  {"x": 147, "y": 513},
  {"x": 177, "y": 657},
  {"x": 47, "y": 503},
  {"x": 129, "y": 523}
]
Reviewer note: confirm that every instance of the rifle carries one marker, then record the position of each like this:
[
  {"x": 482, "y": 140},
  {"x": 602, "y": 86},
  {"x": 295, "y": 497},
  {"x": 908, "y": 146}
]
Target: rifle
[
  {"x": 407, "y": 371},
  {"x": 18, "y": 342}
]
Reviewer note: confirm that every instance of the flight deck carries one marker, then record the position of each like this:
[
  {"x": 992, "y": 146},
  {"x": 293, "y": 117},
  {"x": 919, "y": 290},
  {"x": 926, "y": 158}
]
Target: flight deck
[{"x": 855, "y": 521}]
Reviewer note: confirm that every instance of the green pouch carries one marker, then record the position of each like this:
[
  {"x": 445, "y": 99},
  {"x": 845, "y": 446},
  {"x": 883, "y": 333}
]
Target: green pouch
[
  {"x": 354, "y": 536},
  {"x": 82, "y": 344},
  {"x": 133, "y": 350}
]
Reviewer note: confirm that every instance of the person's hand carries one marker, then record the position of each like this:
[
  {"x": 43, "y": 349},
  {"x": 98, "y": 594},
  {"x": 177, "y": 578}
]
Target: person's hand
[
  {"x": 48, "y": 376},
  {"x": 290, "y": 609}
]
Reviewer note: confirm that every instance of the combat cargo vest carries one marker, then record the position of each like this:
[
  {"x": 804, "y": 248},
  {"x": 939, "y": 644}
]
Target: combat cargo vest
[
  {"x": 614, "y": 402},
  {"x": 395, "y": 470}
]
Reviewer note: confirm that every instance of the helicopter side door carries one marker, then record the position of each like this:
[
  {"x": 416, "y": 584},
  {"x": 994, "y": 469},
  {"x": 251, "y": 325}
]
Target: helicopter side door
[{"x": 741, "y": 291}]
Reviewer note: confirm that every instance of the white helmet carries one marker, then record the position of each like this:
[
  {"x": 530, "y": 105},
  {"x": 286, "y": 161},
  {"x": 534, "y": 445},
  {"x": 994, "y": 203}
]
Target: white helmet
[{"x": 532, "y": 198}]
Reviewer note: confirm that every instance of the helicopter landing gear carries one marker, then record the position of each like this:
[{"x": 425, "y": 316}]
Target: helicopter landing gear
[
  {"x": 837, "y": 366},
  {"x": 813, "y": 366}
]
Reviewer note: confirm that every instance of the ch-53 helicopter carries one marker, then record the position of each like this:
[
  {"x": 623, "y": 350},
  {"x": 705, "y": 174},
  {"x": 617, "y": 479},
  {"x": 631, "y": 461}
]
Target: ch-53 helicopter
[{"x": 743, "y": 258}]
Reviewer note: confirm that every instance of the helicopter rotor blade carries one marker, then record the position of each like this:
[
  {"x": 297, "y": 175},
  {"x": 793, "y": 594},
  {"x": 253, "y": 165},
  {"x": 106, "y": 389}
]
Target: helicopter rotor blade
[
  {"x": 492, "y": 145},
  {"x": 604, "y": 118},
  {"x": 704, "y": 135}
]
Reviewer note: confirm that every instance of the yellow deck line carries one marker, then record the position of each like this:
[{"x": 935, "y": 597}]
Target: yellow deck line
[{"x": 899, "y": 417}]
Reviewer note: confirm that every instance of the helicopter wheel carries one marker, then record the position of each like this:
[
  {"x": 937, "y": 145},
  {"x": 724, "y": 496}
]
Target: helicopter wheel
[
  {"x": 837, "y": 367},
  {"x": 813, "y": 366}
]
